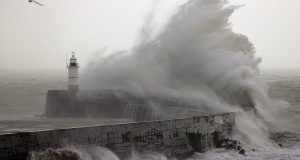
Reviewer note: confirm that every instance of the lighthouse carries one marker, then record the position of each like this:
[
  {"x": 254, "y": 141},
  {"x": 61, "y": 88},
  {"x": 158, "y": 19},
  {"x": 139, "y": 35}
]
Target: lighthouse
[{"x": 73, "y": 83}]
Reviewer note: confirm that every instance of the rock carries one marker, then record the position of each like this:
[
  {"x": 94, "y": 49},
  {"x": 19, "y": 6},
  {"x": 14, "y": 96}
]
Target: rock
[
  {"x": 229, "y": 144},
  {"x": 53, "y": 154},
  {"x": 242, "y": 151}
]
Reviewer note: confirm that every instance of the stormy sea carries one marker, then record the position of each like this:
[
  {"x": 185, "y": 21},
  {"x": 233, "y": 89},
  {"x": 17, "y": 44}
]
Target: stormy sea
[
  {"x": 23, "y": 97},
  {"x": 195, "y": 54}
]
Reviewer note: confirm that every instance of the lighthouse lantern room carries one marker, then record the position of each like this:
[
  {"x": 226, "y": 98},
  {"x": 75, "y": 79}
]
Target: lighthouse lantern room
[{"x": 73, "y": 83}]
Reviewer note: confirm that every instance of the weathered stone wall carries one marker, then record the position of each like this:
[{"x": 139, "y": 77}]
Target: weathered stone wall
[
  {"x": 116, "y": 104},
  {"x": 178, "y": 137}
]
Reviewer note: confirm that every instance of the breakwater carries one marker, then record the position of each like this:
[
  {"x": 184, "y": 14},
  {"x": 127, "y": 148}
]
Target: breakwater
[
  {"x": 118, "y": 104},
  {"x": 177, "y": 137}
]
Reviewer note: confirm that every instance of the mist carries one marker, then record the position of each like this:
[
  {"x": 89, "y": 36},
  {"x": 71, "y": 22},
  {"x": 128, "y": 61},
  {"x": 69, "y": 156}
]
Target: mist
[{"x": 195, "y": 55}]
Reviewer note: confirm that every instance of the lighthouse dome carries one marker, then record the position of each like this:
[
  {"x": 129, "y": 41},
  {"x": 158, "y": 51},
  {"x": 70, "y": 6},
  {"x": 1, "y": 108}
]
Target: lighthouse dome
[{"x": 73, "y": 57}]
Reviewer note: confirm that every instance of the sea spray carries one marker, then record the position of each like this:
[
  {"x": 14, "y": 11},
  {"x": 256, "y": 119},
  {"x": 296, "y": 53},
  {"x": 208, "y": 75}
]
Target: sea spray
[
  {"x": 89, "y": 153},
  {"x": 100, "y": 153},
  {"x": 196, "y": 55},
  {"x": 74, "y": 153},
  {"x": 59, "y": 154},
  {"x": 251, "y": 131}
]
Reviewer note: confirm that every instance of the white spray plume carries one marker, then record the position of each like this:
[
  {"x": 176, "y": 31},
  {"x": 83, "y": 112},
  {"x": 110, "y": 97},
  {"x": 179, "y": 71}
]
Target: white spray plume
[
  {"x": 89, "y": 153},
  {"x": 195, "y": 55}
]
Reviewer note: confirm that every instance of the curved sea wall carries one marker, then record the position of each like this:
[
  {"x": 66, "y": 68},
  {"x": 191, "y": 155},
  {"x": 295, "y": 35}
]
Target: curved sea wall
[
  {"x": 174, "y": 138},
  {"x": 117, "y": 104}
]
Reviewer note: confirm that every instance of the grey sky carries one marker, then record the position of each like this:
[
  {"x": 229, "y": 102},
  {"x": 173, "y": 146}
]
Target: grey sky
[
  {"x": 273, "y": 26},
  {"x": 34, "y": 37}
]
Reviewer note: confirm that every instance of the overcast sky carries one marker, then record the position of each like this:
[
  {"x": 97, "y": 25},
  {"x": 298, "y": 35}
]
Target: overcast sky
[{"x": 34, "y": 37}]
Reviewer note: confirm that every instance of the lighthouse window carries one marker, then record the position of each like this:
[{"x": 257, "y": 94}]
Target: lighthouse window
[{"x": 73, "y": 62}]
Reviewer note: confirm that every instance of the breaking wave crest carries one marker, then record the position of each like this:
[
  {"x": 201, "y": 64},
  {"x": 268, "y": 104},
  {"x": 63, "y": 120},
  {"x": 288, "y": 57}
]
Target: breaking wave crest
[
  {"x": 100, "y": 153},
  {"x": 88, "y": 153},
  {"x": 195, "y": 55}
]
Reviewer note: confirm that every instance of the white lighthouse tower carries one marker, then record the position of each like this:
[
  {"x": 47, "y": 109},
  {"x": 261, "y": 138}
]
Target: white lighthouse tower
[{"x": 73, "y": 83}]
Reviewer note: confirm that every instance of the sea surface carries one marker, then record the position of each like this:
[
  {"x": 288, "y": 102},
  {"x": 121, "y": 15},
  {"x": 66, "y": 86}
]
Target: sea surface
[
  {"x": 23, "y": 100},
  {"x": 23, "y": 94}
]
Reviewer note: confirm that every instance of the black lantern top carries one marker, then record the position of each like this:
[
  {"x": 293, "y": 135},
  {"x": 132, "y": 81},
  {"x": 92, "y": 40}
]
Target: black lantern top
[{"x": 73, "y": 60}]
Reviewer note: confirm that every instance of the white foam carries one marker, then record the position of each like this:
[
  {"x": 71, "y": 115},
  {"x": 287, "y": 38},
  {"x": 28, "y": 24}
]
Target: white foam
[{"x": 195, "y": 55}]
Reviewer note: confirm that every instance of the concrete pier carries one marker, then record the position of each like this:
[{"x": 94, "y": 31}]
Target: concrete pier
[
  {"x": 176, "y": 138},
  {"x": 117, "y": 104}
]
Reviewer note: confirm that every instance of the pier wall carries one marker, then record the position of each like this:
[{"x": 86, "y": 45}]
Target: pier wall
[
  {"x": 177, "y": 137},
  {"x": 116, "y": 104}
]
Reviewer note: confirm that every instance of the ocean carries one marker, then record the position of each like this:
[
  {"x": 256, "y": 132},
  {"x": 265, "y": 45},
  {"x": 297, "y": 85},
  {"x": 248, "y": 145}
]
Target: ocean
[
  {"x": 195, "y": 54},
  {"x": 22, "y": 100}
]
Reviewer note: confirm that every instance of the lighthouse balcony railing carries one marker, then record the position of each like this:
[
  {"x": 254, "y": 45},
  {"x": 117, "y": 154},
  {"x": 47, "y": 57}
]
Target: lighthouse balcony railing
[{"x": 72, "y": 64}]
